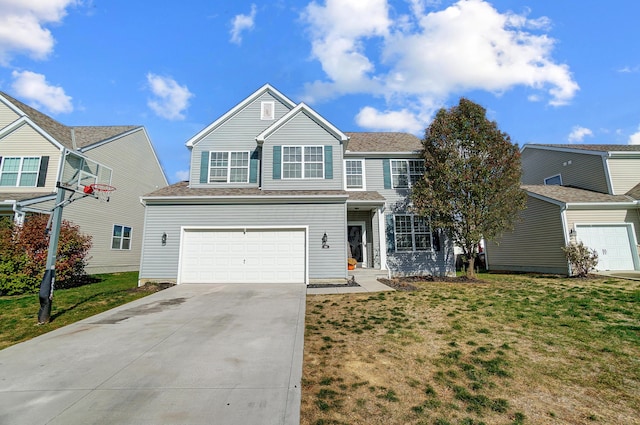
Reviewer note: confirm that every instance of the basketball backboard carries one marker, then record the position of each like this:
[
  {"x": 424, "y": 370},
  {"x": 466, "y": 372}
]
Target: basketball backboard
[{"x": 78, "y": 172}]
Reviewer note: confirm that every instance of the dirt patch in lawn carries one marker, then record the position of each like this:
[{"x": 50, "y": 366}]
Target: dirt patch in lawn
[{"x": 152, "y": 287}]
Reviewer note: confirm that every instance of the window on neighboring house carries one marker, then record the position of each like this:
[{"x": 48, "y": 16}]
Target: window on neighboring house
[
  {"x": 405, "y": 172},
  {"x": 229, "y": 167},
  {"x": 19, "y": 171},
  {"x": 553, "y": 180},
  {"x": 121, "y": 237},
  {"x": 302, "y": 162},
  {"x": 412, "y": 233},
  {"x": 354, "y": 173}
]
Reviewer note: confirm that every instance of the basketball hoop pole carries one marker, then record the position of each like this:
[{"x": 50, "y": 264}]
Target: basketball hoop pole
[{"x": 48, "y": 281}]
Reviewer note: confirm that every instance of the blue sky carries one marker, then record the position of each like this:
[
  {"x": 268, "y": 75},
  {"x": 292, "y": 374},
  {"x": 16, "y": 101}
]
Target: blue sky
[{"x": 547, "y": 71}]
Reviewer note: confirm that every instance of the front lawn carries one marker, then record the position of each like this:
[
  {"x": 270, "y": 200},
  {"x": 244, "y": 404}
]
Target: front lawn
[
  {"x": 20, "y": 313},
  {"x": 508, "y": 350}
]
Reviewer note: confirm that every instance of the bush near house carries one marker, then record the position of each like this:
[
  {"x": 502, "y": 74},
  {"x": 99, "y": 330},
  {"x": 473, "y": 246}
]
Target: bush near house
[
  {"x": 583, "y": 260},
  {"x": 23, "y": 255}
]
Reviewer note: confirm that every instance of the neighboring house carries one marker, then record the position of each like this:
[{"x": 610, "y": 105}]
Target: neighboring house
[
  {"x": 588, "y": 193},
  {"x": 279, "y": 194},
  {"x": 32, "y": 148}
]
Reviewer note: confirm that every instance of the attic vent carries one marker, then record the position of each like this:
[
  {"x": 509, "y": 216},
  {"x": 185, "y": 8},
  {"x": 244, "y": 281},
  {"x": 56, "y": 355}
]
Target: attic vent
[{"x": 267, "y": 110}]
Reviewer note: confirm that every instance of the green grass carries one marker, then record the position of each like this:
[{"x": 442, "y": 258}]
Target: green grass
[{"x": 20, "y": 312}]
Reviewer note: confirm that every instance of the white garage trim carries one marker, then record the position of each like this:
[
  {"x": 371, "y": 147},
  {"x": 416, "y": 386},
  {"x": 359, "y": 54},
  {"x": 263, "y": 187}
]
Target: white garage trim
[
  {"x": 247, "y": 249},
  {"x": 615, "y": 244}
]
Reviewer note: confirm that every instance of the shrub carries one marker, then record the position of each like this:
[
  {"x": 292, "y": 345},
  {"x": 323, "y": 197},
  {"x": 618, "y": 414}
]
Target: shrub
[
  {"x": 23, "y": 255},
  {"x": 582, "y": 259}
]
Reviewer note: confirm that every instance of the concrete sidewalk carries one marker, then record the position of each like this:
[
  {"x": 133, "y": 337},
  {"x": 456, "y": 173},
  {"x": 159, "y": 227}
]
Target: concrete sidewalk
[
  {"x": 366, "y": 278},
  {"x": 191, "y": 354}
]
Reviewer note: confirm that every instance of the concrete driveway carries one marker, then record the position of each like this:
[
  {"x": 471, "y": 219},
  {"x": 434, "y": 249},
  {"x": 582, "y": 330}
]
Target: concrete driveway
[{"x": 191, "y": 354}]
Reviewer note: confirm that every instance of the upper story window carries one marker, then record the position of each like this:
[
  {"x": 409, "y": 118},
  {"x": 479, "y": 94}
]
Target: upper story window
[
  {"x": 412, "y": 233},
  {"x": 302, "y": 162},
  {"x": 19, "y": 171},
  {"x": 405, "y": 172},
  {"x": 554, "y": 180},
  {"x": 354, "y": 173},
  {"x": 229, "y": 167}
]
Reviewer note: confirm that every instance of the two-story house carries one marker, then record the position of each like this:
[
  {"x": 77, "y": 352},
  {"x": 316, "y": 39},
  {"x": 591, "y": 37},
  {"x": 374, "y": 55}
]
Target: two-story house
[
  {"x": 279, "y": 194},
  {"x": 588, "y": 193},
  {"x": 32, "y": 151}
]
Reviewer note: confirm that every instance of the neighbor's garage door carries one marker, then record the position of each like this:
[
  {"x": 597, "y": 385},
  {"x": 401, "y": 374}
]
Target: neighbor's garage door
[
  {"x": 611, "y": 242},
  {"x": 243, "y": 256}
]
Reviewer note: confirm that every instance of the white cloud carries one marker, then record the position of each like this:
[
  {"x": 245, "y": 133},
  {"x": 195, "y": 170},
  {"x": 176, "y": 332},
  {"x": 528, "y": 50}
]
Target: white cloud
[
  {"x": 35, "y": 89},
  {"x": 579, "y": 133},
  {"x": 423, "y": 58},
  {"x": 242, "y": 23},
  {"x": 22, "y": 26},
  {"x": 402, "y": 120},
  {"x": 171, "y": 99},
  {"x": 634, "y": 139},
  {"x": 182, "y": 175}
]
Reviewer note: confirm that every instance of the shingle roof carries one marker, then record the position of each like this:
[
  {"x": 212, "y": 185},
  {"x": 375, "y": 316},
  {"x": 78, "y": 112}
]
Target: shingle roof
[
  {"x": 596, "y": 148},
  {"x": 383, "y": 142},
  {"x": 182, "y": 189},
  {"x": 84, "y": 135},
  {"x": 22, "y": 196},
  {"x": 574, "y": 195},
  {"x": 634, "y": 192}
]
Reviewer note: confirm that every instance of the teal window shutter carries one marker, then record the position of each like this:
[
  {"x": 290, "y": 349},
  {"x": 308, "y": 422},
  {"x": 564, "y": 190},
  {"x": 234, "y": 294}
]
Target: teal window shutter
[
  {"x": 328, "y": 162},
  {"x": 253, "y": 167},
  {"x": 277, "y": 162},
  {"x": 42, "y": 172},
  {"x": 204, "y": 167},
  {"x": 386, "y": 173},
  {"x": 390, "y": 233}
]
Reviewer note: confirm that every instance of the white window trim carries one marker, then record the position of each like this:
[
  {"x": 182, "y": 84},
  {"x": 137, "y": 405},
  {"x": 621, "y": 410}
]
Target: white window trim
[
  {"x": 267, "y": 106},
  {"x": 302, "y": 174},
  {"x": 413, "y": 235},
  {"x": 406, "y": 161},
  {"x": 20, "y": 171},
  {"x": 122, "y": 238},
  {"x": 364, "y": 180},
  {"x": 229, "y": 167},
  {"x": 553, "y": 177}
]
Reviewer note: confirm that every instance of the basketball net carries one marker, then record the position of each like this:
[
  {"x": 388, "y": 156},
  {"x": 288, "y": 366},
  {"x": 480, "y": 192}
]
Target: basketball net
[{"x": 100, "y": 191}]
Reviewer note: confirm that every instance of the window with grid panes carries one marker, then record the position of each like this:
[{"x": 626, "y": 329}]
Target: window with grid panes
[
  {"x": 354, "y": 173},
  {"x": 405, "y": 172},
  {"x": 302, "y": 162},
  {"x": 229, "y": 167},
  {"x": 19, "y": 171},
  {"x": 412, "y": 233}
]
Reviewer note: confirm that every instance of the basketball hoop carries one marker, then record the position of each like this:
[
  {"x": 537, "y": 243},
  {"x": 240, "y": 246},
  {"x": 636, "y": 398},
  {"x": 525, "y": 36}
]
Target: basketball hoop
[{"x": 100, "y": 191}]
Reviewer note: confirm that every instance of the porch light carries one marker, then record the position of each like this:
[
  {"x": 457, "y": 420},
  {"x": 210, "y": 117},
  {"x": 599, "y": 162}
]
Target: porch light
[
  {"x": 164, "y": 239},
  {"x": 324, "y": 241}
]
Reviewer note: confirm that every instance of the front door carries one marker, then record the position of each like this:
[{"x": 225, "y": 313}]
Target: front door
[{"x": 354, "y": 237}]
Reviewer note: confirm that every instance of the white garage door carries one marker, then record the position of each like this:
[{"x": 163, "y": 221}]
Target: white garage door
[
  {"x": 612, "y": 242},
  {"x": 243, "y": 256}
]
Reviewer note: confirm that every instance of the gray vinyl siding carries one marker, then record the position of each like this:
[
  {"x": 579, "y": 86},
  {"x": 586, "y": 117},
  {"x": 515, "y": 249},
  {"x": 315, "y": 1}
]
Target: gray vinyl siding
[
  {"x": 536, "y": 243},
  {"x": 135, "y": 172},
  {"x": 605, "y": 217},
  {"x": 395, "y": 198},
  {"x": 161, "y": 262},
  {"x": 301, "y": 130},
  {"x": 585, "y": 171},
  {"x": 7, "y": 115},
  {"x": 625, "y": 174},
  {"x": 25, "y": 141},
  {"x": 238, "y": 133}
]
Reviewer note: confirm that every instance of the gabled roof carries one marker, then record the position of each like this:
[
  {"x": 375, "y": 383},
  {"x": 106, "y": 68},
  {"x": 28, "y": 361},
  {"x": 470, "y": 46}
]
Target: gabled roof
[
  {"x": 573, "y": 195},
  {"x": 23, "y": 196},
  {"x": 595, "y": 149},
  {"x": 383, "y": 142},
  {"x": 267, "y": 88},
  {"x": 302, "y": 108},
  {"x": 70, "y": 137}
]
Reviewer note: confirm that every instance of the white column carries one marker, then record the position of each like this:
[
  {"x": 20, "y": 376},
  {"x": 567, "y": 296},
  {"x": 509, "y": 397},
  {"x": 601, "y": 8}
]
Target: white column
[{"x": 382, "y": 235}]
